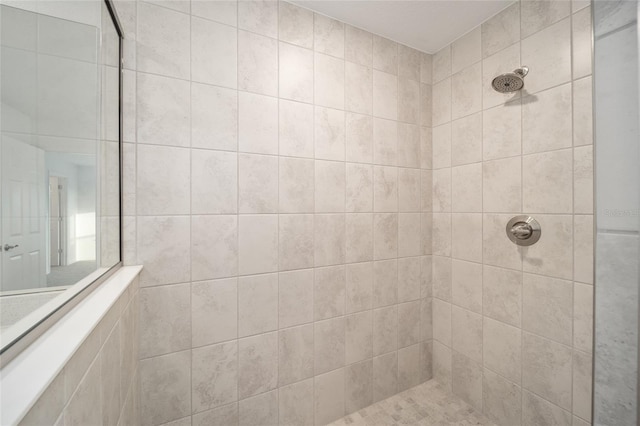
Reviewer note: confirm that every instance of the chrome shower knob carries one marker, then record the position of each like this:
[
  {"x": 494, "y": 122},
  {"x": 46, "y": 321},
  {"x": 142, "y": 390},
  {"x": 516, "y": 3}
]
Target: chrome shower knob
[{"x": 523, "y": 230}]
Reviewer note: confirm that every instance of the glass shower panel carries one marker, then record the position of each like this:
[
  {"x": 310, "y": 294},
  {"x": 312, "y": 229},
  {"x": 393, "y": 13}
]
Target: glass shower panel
[{"x": 617, "y": 194}]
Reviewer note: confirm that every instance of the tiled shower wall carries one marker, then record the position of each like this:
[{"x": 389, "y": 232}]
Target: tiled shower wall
[
  {"x": 277, "y": 194},
  {"x": 513, "y": 326}
]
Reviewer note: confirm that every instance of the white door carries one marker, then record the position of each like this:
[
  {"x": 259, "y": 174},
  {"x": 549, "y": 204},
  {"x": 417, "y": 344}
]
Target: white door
[{"x": 23, "y": 216}]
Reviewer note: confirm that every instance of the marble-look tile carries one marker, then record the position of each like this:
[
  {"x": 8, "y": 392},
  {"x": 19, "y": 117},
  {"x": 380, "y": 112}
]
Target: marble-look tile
[
  {"x": 165, "y": 392},
  {"x": 257, "y": 244},
  {"x": 163, "y": 174},
  {"x": 295, "y": 25},
  {"x": 257, "y": 364},
  {"x": 544, "y": 123},
  {"x": 296, "y": 357},
  {"x": 583, "y": 317},
  {"x": 385, "y": 95},
  {"x": 214, "y": 54},
  {"x": 539, "y": 14},
  {"x": 358, "y": 88},
  {"x": 582, "y": 44},
  {"x": 359, "y": 136},
  {"x": 359, "y": 188},
  {"x": 582, "y": 385},
  {"x": 296, "y": 185},
  {"x": 329, "y": 134},
  {"x": 358, "y": 386},
  {"x": 426, "y": 327},
  {"x": 499, "y": 63},
  {"x": 502, "y": 294},
  {"x": 295, "y": 241},
  {"x": 162, "y": 41},
  {"x": 260, "y": 410},
  {"x": 547, "y": 307},
  {"x": 214, "y": 247},
  {"x": 359, "y": 237},
  {"x": 426, "y": 68},
  {"x": 329, "y": 402},
  {"x": 466, "y": 333},
  {"x": 257, "y": 304},
  {"x": 466, "y": 236},
  {"x": 329, "y": 345},
  {"x": 408, "y": 367},
  {"x": 502, "y": 347},
  {"x": 501, "y": 399},
  {"x": 214, "y": 184},
  {"x": 358, "y": 46},
  {"x": 295, "y": 298},
  {"x": 442, "y": 365},
  {"x": 385, "y": 55},
  {"x": 466, "y": 188},
  {"x": 329, "y": 187},
  {"x": 328, "y": 81},
  {"x": 408, "y": 62},
  {"x": 296, "y": 73},
  {"x": 257, "y": 123},
  {"x": 214, "y": 117},
  {"x": 409, "y": 241},
  {"x": 82, "y": 407},
  {"x": 441, "y": 276},
  {"x": 385, "y": 142},
  {"x": 385, "y": 330},
  {"x": 502, "y": 131},
  {"x": 409, "y": 279},
  {"x": 466, "y": 51},
  {"x": 426, "y": 105},
  {"x": 257, "y": 183},
  {"x": 329, "y": 292},
  {"x": 408, "y": 101},
  {"x": 466, "y": 140},
  {"x": 163, "y": 242},
  {"x": 466, "y": 91},
  {"x": 466, "y": 379},
  {"x": 225, "y": 12},
  {"x": 441, "y": 190},
  {"x": 227, "y": 415},
  {"x": 426, "y": 190},
  {"x": 214, "y": 302},
  {"x": 328, "y": 36},
  {"x": 385, "y": 235},
  {"x": 358, "y": 337},
  {"x": 441, "y": 95},
  {"x": 162, "y": 115},
  {"x": 546, "y": 369},
  {"x": 258, "y": 16},
  {"x": 359, "y": 287},
  {"x": 548, "y": 52},
  {"x": 466, "y": 285},
  {"x": 442, "y": 321},
  {"x": 583, "y": 180},
  {"x": 552, "y": 254},
  {"x": 582, "y": 112},
  {"x": 296, "y": 404},
  {"x": 408, "y": 145},
  {"x": 408, "y": 323},
  {"x": 441, "y": 234},
  {"x": 537, "y": 411},
  {"x": 409, "y": 190},
  {"x": 441, "y": 146},
  {"x": 501, "y": 31},
  {"x": 497, "y": 250},
  {"x": 385, "y": 376},
  {"x": 442, "y": 64},
  {"x": 295, "y": 129},
  {"x": 257, "y": 63},
  {"x": 329, "y": 239}
]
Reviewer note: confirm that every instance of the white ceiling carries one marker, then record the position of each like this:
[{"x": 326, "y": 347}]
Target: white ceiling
[{"x": 427, "y": 25}]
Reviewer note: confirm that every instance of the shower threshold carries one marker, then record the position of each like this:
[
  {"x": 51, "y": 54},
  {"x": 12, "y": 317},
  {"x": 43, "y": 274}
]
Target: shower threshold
[{"x": 426, "y": 404}]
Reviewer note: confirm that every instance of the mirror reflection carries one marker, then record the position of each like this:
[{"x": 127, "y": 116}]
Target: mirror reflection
[{"x": 59, "y": 153}]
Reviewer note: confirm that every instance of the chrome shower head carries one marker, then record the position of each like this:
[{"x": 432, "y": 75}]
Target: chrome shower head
[{"x": 510, "y": 82}]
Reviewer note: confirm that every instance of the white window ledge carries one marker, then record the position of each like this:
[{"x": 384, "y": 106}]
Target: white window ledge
[{"x": 27, "y": 376}]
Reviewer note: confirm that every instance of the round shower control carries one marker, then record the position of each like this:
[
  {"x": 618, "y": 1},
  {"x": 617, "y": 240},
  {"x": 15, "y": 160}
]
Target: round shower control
[{"x": 523, "y": 230}]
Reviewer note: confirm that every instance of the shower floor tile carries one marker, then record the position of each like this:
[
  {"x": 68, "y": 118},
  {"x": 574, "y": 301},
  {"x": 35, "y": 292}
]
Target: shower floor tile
[{"x": 426, "y": 404}]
